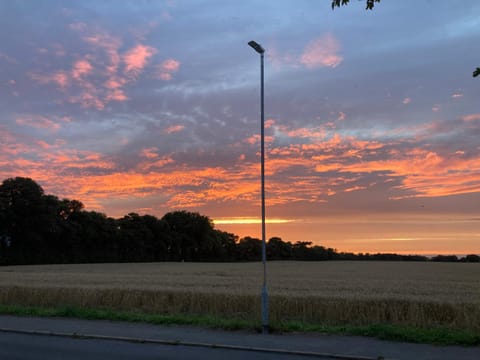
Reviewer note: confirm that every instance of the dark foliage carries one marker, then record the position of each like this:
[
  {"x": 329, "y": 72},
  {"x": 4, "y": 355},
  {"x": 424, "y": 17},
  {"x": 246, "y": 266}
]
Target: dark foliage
[
  {"x": 36, "y": 228},
  {"x": 369, "y": 3}
]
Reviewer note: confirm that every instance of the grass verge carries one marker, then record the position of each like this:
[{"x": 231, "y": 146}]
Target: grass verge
[{"x": 437, "y": 336}]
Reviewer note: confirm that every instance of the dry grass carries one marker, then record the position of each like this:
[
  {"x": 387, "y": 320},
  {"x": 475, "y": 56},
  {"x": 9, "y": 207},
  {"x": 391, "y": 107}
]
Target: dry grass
[{"x": 361, "y": 293}]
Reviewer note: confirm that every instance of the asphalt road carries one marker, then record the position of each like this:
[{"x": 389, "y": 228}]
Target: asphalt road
[
  {"x": 27, "y": 338},
  {"x": 33, "y": 347}
]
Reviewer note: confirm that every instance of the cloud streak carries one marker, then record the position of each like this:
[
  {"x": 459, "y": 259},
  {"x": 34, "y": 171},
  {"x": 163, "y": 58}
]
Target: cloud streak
[{"x": 322, "y": 52}]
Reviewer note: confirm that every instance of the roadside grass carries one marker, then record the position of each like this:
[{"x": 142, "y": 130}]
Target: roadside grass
[{"x": 434, "y": 335}]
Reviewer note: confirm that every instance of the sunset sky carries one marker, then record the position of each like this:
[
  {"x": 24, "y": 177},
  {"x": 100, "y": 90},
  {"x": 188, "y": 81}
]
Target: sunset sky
[{"x": 372, "y": 117}]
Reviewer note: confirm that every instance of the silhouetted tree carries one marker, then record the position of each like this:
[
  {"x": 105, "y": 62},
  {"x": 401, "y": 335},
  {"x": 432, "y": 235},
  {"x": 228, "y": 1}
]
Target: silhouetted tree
[
  {"x": 249, "y": 249},
  {"x": 445, "y": 258},
  {"x": 228, "y": 246},
  {"x": 471, "y": 258},
  {"x": 301, "y": 250},
  {"x": 277, "y": 249},
  {"x": 195, "y": 233},
  {"x": 21, "y": 207}
]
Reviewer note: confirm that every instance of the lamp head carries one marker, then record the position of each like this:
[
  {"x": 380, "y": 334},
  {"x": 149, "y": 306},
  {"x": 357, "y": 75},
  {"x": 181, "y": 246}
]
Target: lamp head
[{"x": 256, "y": 46}]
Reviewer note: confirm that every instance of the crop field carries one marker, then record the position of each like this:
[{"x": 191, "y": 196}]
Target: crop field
[{"x": 355, "y": 293}]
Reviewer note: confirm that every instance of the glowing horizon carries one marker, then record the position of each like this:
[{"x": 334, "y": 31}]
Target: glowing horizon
[{"x": 249, "y": 221}]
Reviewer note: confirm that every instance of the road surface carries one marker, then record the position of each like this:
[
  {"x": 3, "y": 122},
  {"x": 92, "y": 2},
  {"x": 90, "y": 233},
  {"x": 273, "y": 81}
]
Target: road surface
[
  {"x": 33, "y": 347},
  {"x": 26, "y": 338}
]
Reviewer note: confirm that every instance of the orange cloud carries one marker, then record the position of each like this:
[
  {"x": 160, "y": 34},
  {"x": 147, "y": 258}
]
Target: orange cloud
[
  {"x": 153, "y": 161},
  {"x": 322, "y": 52},
  {"x": 252, "y": 139},
  {"x": 307, "y": 133},
  {"x": 43, "y": 144},
  {"x": 269, "y": 123},
  {"x": 150, "y": 153}
]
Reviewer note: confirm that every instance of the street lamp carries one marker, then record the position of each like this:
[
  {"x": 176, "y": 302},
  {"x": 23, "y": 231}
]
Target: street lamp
[{"x": 259, "y": 49}]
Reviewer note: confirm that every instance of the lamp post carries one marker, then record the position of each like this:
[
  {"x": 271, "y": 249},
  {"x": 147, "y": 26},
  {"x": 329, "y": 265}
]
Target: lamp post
[{"x": 259, "y": 49}]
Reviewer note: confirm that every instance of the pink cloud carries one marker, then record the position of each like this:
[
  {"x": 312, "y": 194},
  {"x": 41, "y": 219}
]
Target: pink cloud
[
  {"x": 174, "y": 128},
  {"x": 322, "y": 52},
  {"x": 136, "y": 58},
  {"x": 104, "y": 58},
  {"x": 166, "y": 68},
  {"x": 88, "y": 99},
  {"x": 407, "y": 100},
  {"x": 59, "y": 77},
  {"x": 116, "y": 95},
  {"x": 43, "y": 144},
  {"x": 114, "y": 83},
  {"x": 471, "y": 117},
  {"x": 80, "y": 68},
  {"x": 38, "y": 122},
  {"x": 165, "y": 76},
  {"x": 110, "y": 45},
  {"x": 171, "y": 65}
]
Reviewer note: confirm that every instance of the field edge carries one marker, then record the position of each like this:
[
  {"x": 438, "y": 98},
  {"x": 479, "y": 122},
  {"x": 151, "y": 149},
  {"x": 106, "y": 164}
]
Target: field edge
[{"x": 399, "y": 333}]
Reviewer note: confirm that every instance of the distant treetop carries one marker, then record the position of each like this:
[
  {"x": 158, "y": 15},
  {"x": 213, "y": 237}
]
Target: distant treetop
[{"x": 369, "y": 3}]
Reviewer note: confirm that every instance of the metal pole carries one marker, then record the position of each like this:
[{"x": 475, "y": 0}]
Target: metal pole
[
  {"x": 259, "y": 49},
  {"x": 264, "y": 245}
]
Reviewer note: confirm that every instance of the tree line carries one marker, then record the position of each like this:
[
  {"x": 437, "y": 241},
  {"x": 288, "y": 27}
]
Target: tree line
[{"x": 37, "y": 228}]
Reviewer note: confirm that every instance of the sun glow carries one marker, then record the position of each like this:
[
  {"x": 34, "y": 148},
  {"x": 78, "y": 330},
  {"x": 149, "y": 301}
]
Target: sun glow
[{"x": 248, "y": 221}]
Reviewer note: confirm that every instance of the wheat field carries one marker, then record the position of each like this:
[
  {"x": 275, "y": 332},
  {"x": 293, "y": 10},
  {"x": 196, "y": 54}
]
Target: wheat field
[{"x": 359, "y": 293}]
